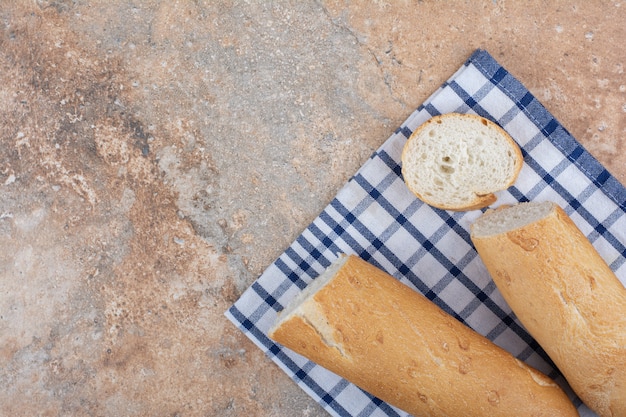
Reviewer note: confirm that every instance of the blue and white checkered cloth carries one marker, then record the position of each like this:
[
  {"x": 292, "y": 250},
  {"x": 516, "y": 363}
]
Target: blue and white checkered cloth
[{"x": 375, "y": 217}]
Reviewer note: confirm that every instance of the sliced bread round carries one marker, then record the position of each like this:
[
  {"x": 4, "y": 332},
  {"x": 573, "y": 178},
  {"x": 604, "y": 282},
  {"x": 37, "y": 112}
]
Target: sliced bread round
[{"x": 458, "y": 161}]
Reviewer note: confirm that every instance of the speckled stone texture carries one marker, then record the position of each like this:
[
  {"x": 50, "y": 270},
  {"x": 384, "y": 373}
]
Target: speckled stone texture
[{"x": 156, "y": 156}]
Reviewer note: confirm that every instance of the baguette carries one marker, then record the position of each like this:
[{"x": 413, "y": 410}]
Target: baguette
[
  {"x": 366, "y": 326},
  {"x": 565, "y": 295},
  {"x": 458, "y": 161}
]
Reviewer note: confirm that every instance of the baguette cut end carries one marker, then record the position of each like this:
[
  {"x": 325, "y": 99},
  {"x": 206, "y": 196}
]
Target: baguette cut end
[{"x": 507, "y": 218}]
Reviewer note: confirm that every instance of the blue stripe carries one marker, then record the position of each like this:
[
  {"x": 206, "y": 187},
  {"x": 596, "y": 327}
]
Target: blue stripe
[
  {"x": 267, "y": 297},
  {"x": 469, "y": 100},
  {"x": 325, "y": 240},
  {"x": 290, "y": 274},
  {"x": 405, "y": 131},
  {"x": 432, "y": 110},
  {"x": 391, "y": 163}
]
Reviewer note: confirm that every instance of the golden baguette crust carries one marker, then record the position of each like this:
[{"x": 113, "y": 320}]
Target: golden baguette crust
[
  {"x": 568, "y": 298},
  {"x": 386, "y": 338}
]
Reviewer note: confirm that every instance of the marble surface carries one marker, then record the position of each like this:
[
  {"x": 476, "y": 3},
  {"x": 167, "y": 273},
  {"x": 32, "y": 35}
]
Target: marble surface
[{"x": 156, "y": 156}]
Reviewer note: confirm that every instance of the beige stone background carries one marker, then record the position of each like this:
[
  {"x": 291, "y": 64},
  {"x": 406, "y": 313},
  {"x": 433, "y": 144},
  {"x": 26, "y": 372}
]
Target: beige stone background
[{"x": 155, "y": 157}]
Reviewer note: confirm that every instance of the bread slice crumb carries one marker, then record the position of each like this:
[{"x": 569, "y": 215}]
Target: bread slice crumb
[{"x": 458, "y": 161}]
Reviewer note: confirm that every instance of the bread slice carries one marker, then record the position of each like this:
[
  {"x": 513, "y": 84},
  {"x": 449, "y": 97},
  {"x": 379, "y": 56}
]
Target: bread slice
[
  {"x": 458, "y": 161},
  {"x": 366, "y": 326},
  {"x": 565, "y": 295}
]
